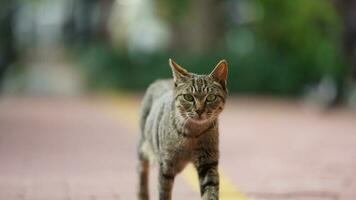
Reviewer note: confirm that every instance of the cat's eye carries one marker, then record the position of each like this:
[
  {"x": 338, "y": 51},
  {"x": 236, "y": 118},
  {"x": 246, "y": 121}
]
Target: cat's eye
[
  {"x": 188, "y": 97},
  {"x": 211, "y": 97}
]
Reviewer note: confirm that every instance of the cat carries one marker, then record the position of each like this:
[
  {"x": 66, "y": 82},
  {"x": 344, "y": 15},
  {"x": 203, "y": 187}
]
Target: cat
[{"x": 179, "y": 124}]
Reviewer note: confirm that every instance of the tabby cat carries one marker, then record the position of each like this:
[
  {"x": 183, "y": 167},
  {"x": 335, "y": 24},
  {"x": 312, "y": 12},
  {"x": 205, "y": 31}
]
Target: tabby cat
[{"x": 179, "y": 124}]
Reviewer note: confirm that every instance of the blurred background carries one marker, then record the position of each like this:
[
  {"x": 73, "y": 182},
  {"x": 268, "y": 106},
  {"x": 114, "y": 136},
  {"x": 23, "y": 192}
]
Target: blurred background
[
  {"x": 289, "y": 48},
  {"x": 72, "y": 74}
]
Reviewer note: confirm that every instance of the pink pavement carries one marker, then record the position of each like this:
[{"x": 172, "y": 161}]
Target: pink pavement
[{"x": 54, "y": 149}]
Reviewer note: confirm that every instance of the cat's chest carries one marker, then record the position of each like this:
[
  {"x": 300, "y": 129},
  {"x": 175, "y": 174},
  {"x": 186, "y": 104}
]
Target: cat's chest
[
  {"x": 179, "y": 152},
  {"x": 180, "y": 148}
]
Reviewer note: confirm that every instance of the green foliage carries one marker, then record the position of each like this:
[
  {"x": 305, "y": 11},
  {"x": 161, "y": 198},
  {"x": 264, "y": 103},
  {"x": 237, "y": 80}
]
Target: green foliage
[
  {"x": 172, "y": 10},
  {"x": 292, "y": 44},
  {"x": 308, "y": 30}
]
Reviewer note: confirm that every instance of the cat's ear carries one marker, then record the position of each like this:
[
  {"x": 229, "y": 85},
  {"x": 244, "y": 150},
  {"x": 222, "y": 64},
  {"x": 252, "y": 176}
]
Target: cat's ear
[
  {"x": 220, "y": 73},
  {"x": 179, "y": 73}
]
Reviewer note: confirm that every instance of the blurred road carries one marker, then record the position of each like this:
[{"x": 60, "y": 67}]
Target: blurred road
[{"x": 84, "y": 148}]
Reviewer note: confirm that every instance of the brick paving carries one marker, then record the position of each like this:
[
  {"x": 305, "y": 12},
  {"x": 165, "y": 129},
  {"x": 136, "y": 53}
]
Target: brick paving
[
  {"x": 73, "y": 149},
  {"x": 281, "y": 150}
]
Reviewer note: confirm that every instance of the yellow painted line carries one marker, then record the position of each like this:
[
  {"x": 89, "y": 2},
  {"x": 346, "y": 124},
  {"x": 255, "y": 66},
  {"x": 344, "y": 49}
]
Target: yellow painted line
[{"x": 127, "y": 109}]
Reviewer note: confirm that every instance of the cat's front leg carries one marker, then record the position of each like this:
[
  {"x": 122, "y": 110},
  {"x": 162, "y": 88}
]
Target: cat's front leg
[
  {"x": 166, "y": 179},
  {"x": 209, "y": 180}
]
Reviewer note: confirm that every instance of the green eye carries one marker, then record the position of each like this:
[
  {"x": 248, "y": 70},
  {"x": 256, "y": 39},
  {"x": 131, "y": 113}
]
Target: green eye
[
  {"x": 188, "y": 97},
  {"x": 211, "y": 97}
]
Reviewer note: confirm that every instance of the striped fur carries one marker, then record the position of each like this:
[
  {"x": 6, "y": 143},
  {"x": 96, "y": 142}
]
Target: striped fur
[{"x": 179, "y": 124}]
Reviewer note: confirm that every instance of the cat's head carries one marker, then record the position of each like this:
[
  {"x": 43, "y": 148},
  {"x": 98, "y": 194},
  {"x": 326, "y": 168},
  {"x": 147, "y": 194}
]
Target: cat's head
[{"x": 199, "y": 98}]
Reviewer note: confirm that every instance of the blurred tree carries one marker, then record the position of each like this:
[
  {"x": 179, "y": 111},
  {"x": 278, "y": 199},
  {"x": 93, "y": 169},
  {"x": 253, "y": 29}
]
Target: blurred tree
[
  {"x": 196, "y": 25},
  {"x": 87, "y": 21},
  {"x": 7, "y": 39},
  {"x": 347, "y": 10}
]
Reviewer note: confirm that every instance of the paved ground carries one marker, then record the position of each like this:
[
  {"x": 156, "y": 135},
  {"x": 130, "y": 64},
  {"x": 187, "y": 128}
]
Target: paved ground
[{"x": 74, "y": 149}]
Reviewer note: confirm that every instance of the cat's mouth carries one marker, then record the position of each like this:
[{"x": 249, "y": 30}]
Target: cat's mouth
[
  {"x": 199, "y": 118},
  {"x": 194, "y": 117}
]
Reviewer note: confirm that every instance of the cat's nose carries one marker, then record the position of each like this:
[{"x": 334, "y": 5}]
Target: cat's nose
[{"x": 199, "y": 111}]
